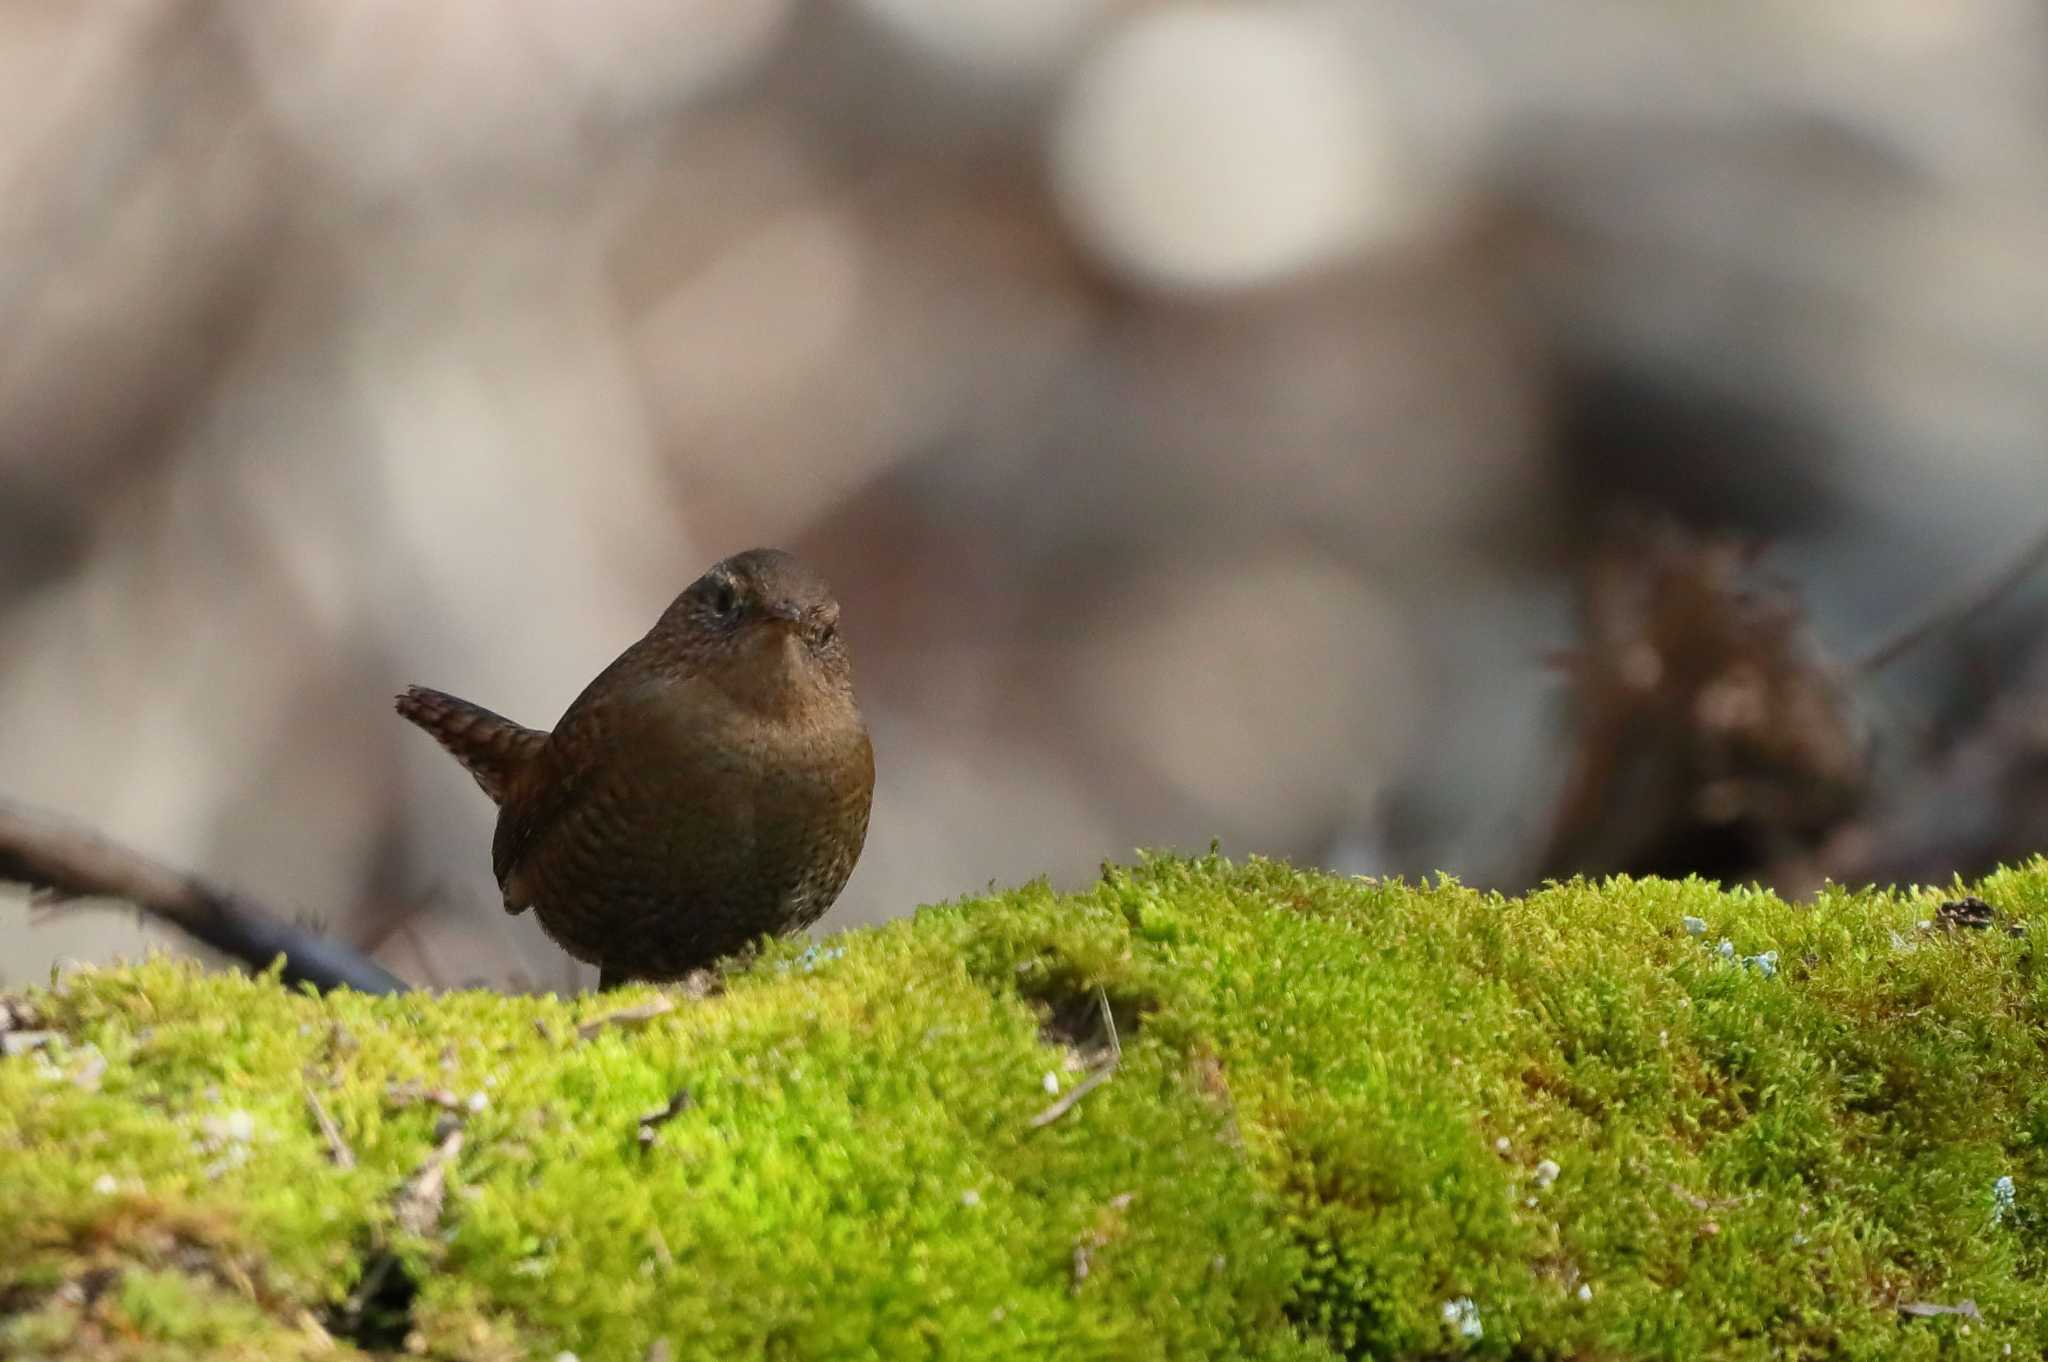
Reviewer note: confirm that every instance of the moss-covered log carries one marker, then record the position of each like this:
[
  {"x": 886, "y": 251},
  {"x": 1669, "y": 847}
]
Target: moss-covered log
[{"x": 1338, "y": 1118}]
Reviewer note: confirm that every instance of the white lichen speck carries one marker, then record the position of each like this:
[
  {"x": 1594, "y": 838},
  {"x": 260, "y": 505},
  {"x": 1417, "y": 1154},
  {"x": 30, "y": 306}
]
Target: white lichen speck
[{"x": 1463, "y": 1315}]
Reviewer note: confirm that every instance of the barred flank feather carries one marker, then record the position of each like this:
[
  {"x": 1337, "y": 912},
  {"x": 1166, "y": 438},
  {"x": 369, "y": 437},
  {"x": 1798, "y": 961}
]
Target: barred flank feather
[{"x": 490, "y": 747}]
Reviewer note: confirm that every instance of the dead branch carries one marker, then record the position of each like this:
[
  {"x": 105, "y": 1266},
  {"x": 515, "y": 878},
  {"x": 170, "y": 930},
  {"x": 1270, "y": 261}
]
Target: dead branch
[
  {"x": 64, "y": 863},
  {"x": 1960, "y": 608}
]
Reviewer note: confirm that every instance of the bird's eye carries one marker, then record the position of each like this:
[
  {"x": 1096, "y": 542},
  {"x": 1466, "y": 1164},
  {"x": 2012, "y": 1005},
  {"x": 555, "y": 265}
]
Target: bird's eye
[
  {"x": 724, "y": 599},
  {"x": 828, "y": 632}
]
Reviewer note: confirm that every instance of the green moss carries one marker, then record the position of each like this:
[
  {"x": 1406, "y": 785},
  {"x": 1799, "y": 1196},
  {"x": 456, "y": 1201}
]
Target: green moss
[{"x": 1350, "y": 1117}]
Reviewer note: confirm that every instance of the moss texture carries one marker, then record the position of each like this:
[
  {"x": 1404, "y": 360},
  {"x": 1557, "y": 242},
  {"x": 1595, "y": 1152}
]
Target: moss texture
[{"x": 1350, "y": 1119}]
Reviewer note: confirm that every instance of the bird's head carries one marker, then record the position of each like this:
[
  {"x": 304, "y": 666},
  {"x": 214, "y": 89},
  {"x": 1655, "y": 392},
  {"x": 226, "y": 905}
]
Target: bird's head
[{"x": 766, "y": 624}]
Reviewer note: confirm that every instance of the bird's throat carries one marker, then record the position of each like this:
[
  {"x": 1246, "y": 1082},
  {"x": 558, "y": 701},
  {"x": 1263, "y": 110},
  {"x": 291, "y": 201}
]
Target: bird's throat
[{"x": 771, "y": 672}]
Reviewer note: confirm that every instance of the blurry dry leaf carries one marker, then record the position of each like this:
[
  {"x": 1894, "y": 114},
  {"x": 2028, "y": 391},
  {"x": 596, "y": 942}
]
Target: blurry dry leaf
[{"x": 1713, "y": 738}]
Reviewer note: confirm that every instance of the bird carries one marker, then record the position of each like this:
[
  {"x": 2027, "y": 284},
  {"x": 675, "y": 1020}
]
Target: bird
[{"x": 712, "y": 786}]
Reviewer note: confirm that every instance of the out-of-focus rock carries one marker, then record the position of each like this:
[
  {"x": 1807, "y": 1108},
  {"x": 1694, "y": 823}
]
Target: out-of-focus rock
[
  {"x": 991, "y": 38},
  {"x": 951, "y": 817},
  {"x": 852, "y": 332},
  {"x": 468, "y": 93},
  {"x": 141, "y": 202},
  {"x": 1213, "y": 146},
  {"x": 1265, "y": 692}
]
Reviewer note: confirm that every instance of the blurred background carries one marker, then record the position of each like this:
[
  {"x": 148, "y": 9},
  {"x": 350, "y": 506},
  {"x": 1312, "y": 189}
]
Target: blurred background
[{"x": 1399, "y": 435}]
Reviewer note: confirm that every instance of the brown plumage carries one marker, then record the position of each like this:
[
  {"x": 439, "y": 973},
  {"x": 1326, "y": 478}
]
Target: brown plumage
[{"x": 711, "y": 785}]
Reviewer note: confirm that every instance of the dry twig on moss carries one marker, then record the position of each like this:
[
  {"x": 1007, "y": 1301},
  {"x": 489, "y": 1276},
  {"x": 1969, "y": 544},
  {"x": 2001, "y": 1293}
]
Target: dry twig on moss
[
  {"x": 631, "y": 1016},
  {"x": 337, "y": 1147},
  {"x": 1105, "y": 1068}
]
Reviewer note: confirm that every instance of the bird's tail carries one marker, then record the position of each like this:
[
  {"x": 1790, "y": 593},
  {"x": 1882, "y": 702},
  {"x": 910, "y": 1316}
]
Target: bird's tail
[{"x": 490, "y": 747}]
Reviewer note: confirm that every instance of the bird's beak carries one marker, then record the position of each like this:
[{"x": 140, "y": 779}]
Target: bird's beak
[{"x": 785, "y": 612}]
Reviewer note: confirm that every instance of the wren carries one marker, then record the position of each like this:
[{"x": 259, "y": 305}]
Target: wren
[{"x": 711, "y": 786}]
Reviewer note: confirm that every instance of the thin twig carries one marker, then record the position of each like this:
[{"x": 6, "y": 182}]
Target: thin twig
[
  {"x": 408, "y": 1091},
  {"x": 651, "y": 1123},
  {"x": 631, "y": 1016},
  {"x": 378, "y": 1268},
  {"x": 1116, "y": 1046},
  {"x": 1974, "y": 600},
  {"x": 64, "y": 863},
  {"x": 1931, "y": 1310},
  {"x": 418, "y": 1206},
  {"x": 337, "y": 1147},
  {"x": 1073, "y": 1095}
]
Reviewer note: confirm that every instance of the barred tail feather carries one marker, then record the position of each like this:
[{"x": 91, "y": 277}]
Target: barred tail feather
[{"x": 490, "y": 747}]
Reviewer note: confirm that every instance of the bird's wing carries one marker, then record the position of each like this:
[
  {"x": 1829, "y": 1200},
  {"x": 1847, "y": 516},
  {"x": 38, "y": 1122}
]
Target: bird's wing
[
  {"x": 577, "y": 773},
  {"x": 539, "y": 806}
]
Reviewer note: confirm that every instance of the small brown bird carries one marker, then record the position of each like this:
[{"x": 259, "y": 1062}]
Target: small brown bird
[{"x": 710, "y": 786}]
